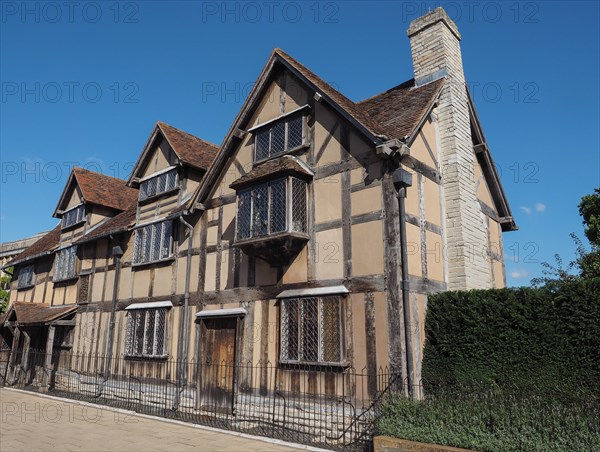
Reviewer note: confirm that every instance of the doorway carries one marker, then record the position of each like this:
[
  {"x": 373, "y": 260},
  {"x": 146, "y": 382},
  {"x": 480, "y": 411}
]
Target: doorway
[{"x": 218, "y": 355}]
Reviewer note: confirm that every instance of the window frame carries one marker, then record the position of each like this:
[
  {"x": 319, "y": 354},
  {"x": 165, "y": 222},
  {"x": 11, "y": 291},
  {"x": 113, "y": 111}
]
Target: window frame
[
  {"x": 30, "y": 282},
  {"x": 155, "y": 176},
  {"x": 60, "y": 261},
  {"x": 132, "y": 339},
  {"x": 320, "y": 361},
  {"x": 65, "y": 214},
  {"x": 268, "y": 128},
  {"x": 147, "y": 241},
  {"x": 289, "y": 208}
]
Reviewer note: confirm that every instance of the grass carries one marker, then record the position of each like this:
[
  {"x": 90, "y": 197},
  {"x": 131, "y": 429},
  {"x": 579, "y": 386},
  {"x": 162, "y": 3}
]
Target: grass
[{"x": 496, "y": 419}]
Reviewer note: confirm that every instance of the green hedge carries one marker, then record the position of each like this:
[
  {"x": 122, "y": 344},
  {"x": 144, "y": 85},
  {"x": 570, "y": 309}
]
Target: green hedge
[
  {"x": 523, "y": 337},
  {"x": 507, "y": 369}
]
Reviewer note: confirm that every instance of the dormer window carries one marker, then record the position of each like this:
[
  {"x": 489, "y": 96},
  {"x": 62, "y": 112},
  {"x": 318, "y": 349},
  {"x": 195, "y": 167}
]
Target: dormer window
[
  {"x": 157, "y": 184},
  {"x": 272, "y": 207},
  {"x": 153, "y": 243},
  {"x": 25, "y": 278},
  {"x": 65, "y": 264},
  {"x": 279, "y": 136},
  {"x": 73, "y": 216}
]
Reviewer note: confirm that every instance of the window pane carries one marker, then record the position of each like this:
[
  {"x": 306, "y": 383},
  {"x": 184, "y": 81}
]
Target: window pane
[
  {"x": 289, "y": 332},
  {"x": 278, "y": 138},
  {"x": 298, "y": 205},
  {"x": 171, "y": 177},
  {"x": 25, "y": 276},
  {"x": 295, "y": 132},
  {"x": 161, "y": 182},
  {"x": 330, "y": 315},
  {"x": 73, "y": 216},
  {"x": 244, "y": 214},
  {"x": 80, "y": 213},
  {"x": 167, "y": 232},
  {"x": 149, "y": 339},
  {"x": 278, "y": 202},
  {"x": 310, "y": 330},
  {"x": 137, "y": 248},
  {"x": 261, "y": 145},
  {"x": 160, "y": 329},
  {"x": 260, "y": 213},
  {"x": 147, "y": 240},
  {"x": 140, "y": 324},
  {"x": 73, "y": 261},
  {"x": 130, "y": 334}
]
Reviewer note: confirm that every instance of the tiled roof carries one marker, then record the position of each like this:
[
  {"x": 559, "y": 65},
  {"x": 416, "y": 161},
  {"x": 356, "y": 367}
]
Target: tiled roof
[
  {"x": 29, "y": 313},
  {"x": 104, "y": 190},
  {"x": 118, "y": 223},
  {"x": 286, "y": 164},
  {"x": 349, "y": 106},
  {"x": 190, "y": 149},
  {"x": 399, "y": 110},
  {"x": 47, "y": 243}
]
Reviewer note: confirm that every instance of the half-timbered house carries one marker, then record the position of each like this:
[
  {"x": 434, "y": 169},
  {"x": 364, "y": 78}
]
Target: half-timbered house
[{"x": 304, "y": 246}]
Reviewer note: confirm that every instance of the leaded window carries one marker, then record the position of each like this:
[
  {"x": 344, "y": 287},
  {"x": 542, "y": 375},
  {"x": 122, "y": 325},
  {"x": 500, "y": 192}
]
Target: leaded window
[
  {"x": 73, "y": 216},
  {"x": 272, "y": 207},
  {"x": 65, "y": 263},
  {"x": 311, "y": 330},
  {"x": 158, "y": 184},
  {"x": 146, "y": 333},
  {"x": 25, "y": 278},
  {"x": 153, "y": 242},
  {"x": 282, "y": 136}
]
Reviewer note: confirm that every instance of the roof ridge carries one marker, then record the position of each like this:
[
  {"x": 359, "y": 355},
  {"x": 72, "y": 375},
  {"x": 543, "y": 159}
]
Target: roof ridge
[
  {"x": 97, "y": 173},
  {"x": 162, "y": 123},
  {"x": 352, "y": 108}
]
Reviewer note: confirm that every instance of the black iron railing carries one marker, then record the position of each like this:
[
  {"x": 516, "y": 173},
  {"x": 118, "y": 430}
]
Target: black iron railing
[{"x": 324, "y": 406}]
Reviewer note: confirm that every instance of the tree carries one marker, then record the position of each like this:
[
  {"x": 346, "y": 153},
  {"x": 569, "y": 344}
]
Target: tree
[
  {"x": 4, "y": 285},
  {"x": 589, "y": 209}
]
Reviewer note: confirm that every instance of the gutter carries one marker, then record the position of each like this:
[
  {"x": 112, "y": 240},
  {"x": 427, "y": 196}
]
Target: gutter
[{"x": 183, "y": 331}]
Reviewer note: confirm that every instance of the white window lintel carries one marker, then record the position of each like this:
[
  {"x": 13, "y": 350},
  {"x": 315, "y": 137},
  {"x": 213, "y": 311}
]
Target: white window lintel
[
  {"x": 150, "y": 305},
  {"x": 314, "y": 291}
]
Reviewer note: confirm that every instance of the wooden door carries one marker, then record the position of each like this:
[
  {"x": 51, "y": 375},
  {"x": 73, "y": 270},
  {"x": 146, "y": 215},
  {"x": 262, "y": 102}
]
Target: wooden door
[{"x": 218, "y": 364}]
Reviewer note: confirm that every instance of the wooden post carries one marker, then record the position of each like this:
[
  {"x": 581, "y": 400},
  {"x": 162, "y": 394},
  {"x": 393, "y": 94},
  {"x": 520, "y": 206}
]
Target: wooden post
[
  {"x": 25, "y": 355},
  {"x": 13, "y": 353},
  {"x": 397, "y": 344},
  {"x": 48, "y": 367}
]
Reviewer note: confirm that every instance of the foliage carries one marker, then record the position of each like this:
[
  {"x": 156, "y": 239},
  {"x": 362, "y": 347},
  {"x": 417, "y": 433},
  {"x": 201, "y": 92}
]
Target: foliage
[
  {"x": 589, "y": 209},
  {"x": 490, "y": 418},
  {"x": 545, "y": 336},
  {"x": 4, "y": 294},
  {"x": 508, "y": 369}
]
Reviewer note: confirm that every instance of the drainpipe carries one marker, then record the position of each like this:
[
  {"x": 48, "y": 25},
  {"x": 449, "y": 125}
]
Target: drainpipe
[
  {"x": 183, "y": 331},
  {"x": 117, "y": 252},
  {"x": 403, "y": 180}
]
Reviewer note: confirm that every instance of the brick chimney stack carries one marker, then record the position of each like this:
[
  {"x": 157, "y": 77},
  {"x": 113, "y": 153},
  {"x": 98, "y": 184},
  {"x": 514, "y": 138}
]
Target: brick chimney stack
[{"x": 435, "y": 46}]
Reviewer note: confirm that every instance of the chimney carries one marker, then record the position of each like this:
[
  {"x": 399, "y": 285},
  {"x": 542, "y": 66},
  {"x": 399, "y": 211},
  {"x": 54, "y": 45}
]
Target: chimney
[{"x": 435, "y": 46}]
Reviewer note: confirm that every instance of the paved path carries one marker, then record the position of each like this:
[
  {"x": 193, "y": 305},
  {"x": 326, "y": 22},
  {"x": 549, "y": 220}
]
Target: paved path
[{"x": 31, "y": 422}]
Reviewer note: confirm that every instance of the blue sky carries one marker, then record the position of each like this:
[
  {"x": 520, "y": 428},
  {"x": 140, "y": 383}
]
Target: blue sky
[{"x": 84, "y": 83}]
